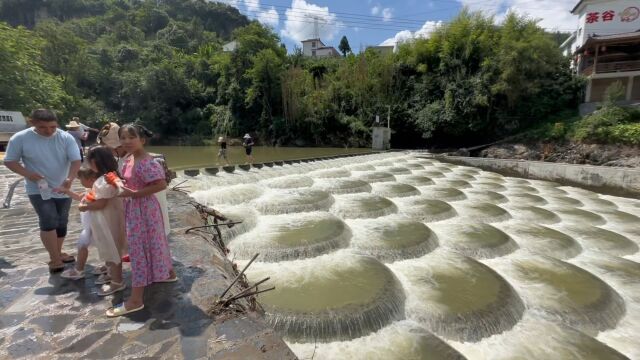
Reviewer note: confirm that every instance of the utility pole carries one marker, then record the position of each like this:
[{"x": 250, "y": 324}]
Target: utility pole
[{"x": 389, "y": 117}]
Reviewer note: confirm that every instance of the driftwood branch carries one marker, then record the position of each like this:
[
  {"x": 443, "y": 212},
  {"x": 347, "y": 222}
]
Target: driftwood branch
[{"x": 239, "y": 276}]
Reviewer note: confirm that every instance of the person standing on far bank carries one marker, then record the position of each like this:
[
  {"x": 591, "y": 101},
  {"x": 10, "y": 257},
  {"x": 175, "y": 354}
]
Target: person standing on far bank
[
  {"x": 248, "y": 147},
  {"x": 222, "y": 153},
  {"x": 48, "y": 158}
]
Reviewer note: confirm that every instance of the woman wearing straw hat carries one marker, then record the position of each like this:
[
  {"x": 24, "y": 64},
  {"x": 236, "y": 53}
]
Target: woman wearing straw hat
[
  {"x": 222, "y": 153},
  {"x": 248, "y": 147},
  {"x": 73, "y": 128}
]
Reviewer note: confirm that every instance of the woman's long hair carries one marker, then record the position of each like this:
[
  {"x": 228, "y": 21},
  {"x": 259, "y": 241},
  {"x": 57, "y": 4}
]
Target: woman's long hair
[{"x": 104, "y": 160}]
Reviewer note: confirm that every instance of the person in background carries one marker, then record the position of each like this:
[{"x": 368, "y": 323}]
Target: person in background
[
  {"x": 222, "y": 153},
  {"x": 48, "y": 158},
  {"x": 148, "y": 245},
  {"x": 86, "y": 129},
  {"x": 73, "y": 128},
  {"x": 248, "y": 147}
]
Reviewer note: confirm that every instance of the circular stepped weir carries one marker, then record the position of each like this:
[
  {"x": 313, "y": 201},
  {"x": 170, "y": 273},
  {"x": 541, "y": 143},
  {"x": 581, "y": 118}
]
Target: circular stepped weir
[
  {"x": 476, "y": 240},
  {"x": 526, "y": 199},
  {"x": 461, "y": 176},
  {"x": 423, "y": 162},
  {"x": 361, "y": 167},
  {"x": 293, "y": 201},
  {"x": 413, "y": 166},
  {"x": 377, "y": 176},
  {"x": 489, "y": 185},
  {"x": 415, "y": 180},
  {"x": 362, "y": 206},
  {"x": 578, "y": 216},
  {"x": 442, "y": 168},
  {"x": 522, "y": 189},
  {"x": 551, "y": 190},
  {"x": 403, "y": 340},
  {"x": 558, "y": 289},
  {"x": 246, "y": 215},
  {"x": 333, "y": 297},
  {"x": 443, "y": 193},
  {"x": 343, "y": 186},
  {"x": 396, "y": 170},
  {"x": 330, "y": 173},
  {"x": 491, "y": 177},
  {"x": 394, "y": 189},
  {"x": 429, "y": 173},
  {"x": 427, "y": 210},
  {"x": 563, "y": 201},
  {"x": 535, "y": 338},
  {"x": 543, "y": 240},
  {"x": 390, "y": 240},
  {"x": 459, "y": 298},
  {"x": 289, "y": 182},
  {"x": 481, "y": 211},
  {"x": 486, "y": 195},
  {"x": 287, "y": 237},
  {"x": 456, "y": 184},
  {"x": 623, "y": 271},
  {"x": 517, "y": 181},
  {"x": 621, "y": 218},
  {"x": 602, "y": 240},
  {"x": 533, "y": 214},
  {"x": 598, "y": 204},
  {"x": 231, "y": 195}
]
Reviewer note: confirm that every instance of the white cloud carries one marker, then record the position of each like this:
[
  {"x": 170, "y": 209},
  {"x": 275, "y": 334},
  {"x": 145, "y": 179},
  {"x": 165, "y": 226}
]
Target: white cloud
[
  {"x": 553, "y": 14},
  {"x": 375, "y": 10},
  {"x": 300, "y": 18},
  {"x": 387, "y": 14},
  {"x": 252, "y": 5},
  {"x": 233, "y": 3},
  {"x": 269, "y": 17},
  {"x": 407, "y": 35}
]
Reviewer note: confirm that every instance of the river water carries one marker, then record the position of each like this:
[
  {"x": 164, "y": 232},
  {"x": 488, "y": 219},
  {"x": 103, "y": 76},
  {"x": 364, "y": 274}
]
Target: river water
[
  {"x": 394, "y": 256},
  {"x": 184, "y": 157}
]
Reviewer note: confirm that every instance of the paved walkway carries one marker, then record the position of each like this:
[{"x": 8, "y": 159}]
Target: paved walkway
[{"x": 45, "y": 316}]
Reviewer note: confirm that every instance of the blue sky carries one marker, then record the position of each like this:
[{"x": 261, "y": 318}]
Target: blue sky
[{"x": 374, "y": 22}]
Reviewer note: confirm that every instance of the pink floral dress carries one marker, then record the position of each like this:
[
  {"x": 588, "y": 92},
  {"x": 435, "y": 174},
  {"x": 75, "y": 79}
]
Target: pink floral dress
[{"x": 148, "y": 245}]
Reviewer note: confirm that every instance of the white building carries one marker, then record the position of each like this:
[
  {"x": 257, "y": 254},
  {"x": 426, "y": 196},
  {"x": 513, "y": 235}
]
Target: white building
[
  {"x": 316, "y": 48},
  {"x": 606, "y": 46},
  {"x": 230, "y": 46},
  {"x": 10, "y": 123}
]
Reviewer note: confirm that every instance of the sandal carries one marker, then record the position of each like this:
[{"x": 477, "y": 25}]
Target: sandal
[
  {"x": 72, "y": 274},
  {"x": 120, "y": 310},
  {"x": 66, "y": 258},
  {"x": 111, "y": 288},
  {"x": 103, "y": 279},
  {"x": 99, "y": 270},
  {"x": 169, "y": 280}
]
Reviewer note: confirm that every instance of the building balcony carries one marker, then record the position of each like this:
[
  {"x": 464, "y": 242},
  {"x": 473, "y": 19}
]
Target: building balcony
[{"x": 612, "y": 67}]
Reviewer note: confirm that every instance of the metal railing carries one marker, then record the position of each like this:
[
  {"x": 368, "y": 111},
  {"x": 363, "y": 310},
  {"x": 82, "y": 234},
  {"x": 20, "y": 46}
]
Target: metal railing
[{"x": 612, "y": 67}]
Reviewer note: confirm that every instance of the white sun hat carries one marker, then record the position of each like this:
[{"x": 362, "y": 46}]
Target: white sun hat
[{"x": 247, "y": 136}]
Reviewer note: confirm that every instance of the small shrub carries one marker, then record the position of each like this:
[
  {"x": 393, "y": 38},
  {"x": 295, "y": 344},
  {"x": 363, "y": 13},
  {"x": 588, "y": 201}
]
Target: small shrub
[
  {"x": 558, "y": 131},
  {"x": 614, "y": 92},
  {"x": 596, "y": 127},
  {"x": 625, "y": 134}
]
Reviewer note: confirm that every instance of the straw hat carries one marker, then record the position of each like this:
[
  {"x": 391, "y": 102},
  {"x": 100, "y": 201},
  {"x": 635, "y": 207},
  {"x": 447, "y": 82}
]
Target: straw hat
[
  {"x": 221, "y": 139},
  {"x": 73, "y": 125},
  {"x": 109, "y": 135},
  {"x": 247, "y": 136}
]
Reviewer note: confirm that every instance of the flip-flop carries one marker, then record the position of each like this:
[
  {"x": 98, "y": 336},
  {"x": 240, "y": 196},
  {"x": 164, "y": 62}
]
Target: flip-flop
[
  {"x": 99, "y": 270},
  {"x": 169, "y": 280},
  {"x": 112, "y": 288},
  {"x": 120, "y": 310},
  {"x": 103, "y": 279},
  {"x": 72, "y": 274},
  {"x": 68, "y": 259}
]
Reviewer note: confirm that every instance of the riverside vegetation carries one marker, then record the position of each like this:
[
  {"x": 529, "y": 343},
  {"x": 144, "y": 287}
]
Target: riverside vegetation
[{"x": 162, "y": 63}]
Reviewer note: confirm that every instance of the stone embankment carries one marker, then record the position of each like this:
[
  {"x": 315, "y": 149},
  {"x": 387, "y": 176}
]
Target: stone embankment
[{"x": 45, "y": 316}]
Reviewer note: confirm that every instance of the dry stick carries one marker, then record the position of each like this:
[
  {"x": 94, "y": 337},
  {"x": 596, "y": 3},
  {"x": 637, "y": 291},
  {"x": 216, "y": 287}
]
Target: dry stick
[
  {"x": 213, "y": 225},
  {"x": 251, "y": 294},
  {"x": 250, "y": 287},
  {"x": 239, "y": 275}
]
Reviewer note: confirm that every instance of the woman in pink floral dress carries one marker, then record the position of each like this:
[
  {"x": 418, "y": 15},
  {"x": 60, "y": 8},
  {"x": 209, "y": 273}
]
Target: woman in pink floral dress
[{"x": 148, "y": 245}]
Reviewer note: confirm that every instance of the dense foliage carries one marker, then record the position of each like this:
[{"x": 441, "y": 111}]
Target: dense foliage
[{"x": 162, "y": 63}]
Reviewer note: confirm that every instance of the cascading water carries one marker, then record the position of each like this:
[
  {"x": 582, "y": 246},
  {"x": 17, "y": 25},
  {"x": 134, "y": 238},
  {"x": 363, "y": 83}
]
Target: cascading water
[{"x": 394, "y": 256}]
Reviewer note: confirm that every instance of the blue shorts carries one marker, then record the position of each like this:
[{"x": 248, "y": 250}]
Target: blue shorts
[{"x": 53, "y": 214}]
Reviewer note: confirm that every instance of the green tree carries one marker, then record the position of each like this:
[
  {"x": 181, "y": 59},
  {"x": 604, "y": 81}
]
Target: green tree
[{"x": 344, "y": 46}]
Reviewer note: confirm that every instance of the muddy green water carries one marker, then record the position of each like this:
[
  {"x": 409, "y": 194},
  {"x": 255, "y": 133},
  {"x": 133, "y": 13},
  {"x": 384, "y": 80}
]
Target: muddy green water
[{"x": 183, "y": 157}]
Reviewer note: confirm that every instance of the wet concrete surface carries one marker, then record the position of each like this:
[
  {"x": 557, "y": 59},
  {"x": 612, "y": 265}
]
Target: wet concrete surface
[{"x": 45, "y": 316}]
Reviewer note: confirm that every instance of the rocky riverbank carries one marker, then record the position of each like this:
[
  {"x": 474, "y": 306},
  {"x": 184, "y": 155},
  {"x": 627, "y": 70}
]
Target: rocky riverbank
[
  {"x": 571, "y": 153},
  {"x": 44, "y": 316}
]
